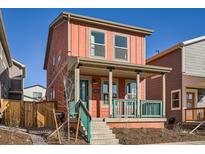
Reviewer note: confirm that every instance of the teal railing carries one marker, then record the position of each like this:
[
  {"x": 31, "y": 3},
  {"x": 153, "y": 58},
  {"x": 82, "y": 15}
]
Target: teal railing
[
  {"x": 72, "y": 110},
  {"x": 151, "y": 109},
  {"x": 85, "y": 118},
  {"x": 124, "y": 108}
]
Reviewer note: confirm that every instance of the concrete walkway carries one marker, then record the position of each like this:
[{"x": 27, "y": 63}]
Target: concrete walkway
[{"x": 185, "y": 143}]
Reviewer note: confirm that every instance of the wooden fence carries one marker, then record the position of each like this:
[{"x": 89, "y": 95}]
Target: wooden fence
[{"x": 27, "y": 114}]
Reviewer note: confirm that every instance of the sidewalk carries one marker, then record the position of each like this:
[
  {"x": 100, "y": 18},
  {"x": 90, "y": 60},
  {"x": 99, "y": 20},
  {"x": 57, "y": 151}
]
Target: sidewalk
[{"x": 185, "y": 143}]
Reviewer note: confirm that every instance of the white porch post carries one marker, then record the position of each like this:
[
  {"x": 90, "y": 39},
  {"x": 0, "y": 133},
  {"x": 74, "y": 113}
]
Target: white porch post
[
  {"x": 138, "y": 93},
  {"x": 110, "y": 92},
  {"x": 164, "y": 94},
  {"x": 77, "y": 83}
]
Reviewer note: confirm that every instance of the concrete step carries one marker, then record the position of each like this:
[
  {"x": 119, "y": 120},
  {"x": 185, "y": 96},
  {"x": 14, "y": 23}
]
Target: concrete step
[
  {"x": 100, "y": 132},
  {"x": 97, "y": 119},
  {"x": 98, "y": 123},
  {"x": 105, "y": 142},
  {"x": 103, "y": 136},
  {"x": 99, "y": 126}
]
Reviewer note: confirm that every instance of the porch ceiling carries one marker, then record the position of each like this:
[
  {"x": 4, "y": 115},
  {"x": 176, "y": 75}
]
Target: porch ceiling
[
  {"x": 91, "y": 66},
  {"x": 200, "y": 85}
]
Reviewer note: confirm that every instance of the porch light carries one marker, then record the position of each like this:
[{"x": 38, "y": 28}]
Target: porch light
[{"x": 94, "y": 81}]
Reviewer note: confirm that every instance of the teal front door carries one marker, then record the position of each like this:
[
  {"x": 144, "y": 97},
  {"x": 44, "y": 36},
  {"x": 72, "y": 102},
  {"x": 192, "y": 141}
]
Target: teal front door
[{"x": 84, "y": 92}]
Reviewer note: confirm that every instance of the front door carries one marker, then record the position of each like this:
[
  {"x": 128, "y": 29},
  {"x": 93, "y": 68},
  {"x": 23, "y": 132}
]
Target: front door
[
  {"x": 84, "y": 92},
  {"x": 190, "y": 103}
]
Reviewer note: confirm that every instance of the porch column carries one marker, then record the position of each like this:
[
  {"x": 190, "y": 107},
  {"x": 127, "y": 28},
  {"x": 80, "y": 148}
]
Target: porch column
[
  {"x": 138, "y": 93},
  {"x": 110, "y": 92},
  {"x": 164, "y": 94},
  {"x": 77, "y": 83}
]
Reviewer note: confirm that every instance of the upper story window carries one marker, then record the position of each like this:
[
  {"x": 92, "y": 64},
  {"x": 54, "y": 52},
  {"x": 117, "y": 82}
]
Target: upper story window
[
  {"x": 121, "y": 47},
  {"x": 97, "y": 45},
  {"x": 54, "y": 60},
  {"x": 58, "y": 58}
]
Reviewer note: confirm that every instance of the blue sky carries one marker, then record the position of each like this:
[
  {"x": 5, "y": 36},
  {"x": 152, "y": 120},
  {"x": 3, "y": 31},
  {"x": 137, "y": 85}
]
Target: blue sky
[{"x": 27, "y": 31}]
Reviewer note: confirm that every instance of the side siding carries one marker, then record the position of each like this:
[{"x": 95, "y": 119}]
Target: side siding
[
  {"x": 195, "y": 59},
  {"x": 4, "y": 75},
  {"x": 173, "y": 81},
  {"x": 59, "y": 46}
]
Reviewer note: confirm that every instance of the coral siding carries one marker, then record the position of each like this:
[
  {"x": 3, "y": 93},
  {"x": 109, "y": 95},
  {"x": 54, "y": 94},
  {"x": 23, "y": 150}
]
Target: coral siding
[
  {"x": 173, "y": 82},
  {"x": 80, "y": 40},
  {"x": 136, "y": 124}
]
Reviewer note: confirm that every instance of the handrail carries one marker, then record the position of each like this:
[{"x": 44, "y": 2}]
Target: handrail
[
  {"x": 195, "y": 114},
  {"x": 124, "y": 108},
  {"x": 151, "y": 109},
  {"x": 85, "y": 118}
]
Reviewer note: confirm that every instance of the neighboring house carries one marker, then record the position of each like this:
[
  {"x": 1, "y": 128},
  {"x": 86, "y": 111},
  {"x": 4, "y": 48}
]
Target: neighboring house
[
  {"x": 34, "y": 93},
  {"x": 17, "y": 74},
  {"x": 12, "y": 72},
  {"x": 106, "y": 64},
  {"x": 185, "y": 88},
  {"x": 5, "y": 61}
]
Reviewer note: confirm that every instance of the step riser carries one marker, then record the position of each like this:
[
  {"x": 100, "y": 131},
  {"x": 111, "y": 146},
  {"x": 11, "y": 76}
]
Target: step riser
[
  {"x": 105, "y": 142},
  {"x": 103, "y": 137}
]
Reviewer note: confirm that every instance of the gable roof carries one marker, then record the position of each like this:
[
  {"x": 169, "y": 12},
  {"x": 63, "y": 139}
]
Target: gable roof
[
  {"x": 175, "y": 47},
  {"x": 70, "y": 16},
  {"x": 20, "y": 65},
  {"x": 37, "y": 85},
  {"x": 4, "y": 41}
]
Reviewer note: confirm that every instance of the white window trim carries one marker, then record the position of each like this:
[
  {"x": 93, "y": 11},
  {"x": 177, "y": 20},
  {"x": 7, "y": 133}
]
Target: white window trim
[
  {"x": 105, "y": 36},
  {"x": 128, "y": 49},
  {"x": 102, "y": 81},
  {"x": 180, "y": 100}
]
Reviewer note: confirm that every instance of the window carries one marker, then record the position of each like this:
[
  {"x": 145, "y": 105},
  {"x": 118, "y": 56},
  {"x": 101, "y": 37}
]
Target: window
[
  {"x": 121, "y": 47},
  {"x": 54, "y": 60},
  {"x": 175, "y": 99},
  {"x": 58, "y": 58},
  {"x": 131, "y": 90},
  {"x": 53, "y": 94},
  {"x": 37, "y": 95},
  {"x": 106, "y": 91},
  {"x": 97, "y": 46}
]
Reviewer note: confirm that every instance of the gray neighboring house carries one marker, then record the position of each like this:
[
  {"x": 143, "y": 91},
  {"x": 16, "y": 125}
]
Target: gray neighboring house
[
  {"x": 5, "y": 61},
  {"x": 12, "y": 72},
  {"x": 17, "y": 74}
]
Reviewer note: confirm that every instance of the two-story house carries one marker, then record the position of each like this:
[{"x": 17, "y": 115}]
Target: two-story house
[
  {"x": 5, "y": 61},
  {"x": 185, "y": 88},
  {"x": 12, "y": 72},
  {"x": 106, "y": 62}
]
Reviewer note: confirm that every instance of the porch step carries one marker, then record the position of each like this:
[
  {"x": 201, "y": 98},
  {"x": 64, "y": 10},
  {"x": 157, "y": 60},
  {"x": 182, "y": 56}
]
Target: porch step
[
  {"x": 103, "y": 136},
  {"x": 101, "y": 133},
  {"x": 105, "y": 142}
]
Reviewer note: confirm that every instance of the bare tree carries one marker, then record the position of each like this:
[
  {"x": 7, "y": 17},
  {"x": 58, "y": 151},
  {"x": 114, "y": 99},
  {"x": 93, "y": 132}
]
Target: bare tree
[{"x": 68, "y": 81}]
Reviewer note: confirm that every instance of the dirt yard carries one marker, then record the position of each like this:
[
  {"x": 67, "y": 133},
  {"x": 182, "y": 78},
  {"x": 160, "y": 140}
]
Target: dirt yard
[
  {"x": 152, "y": 136},
  {"x": 14, "y": 138}
]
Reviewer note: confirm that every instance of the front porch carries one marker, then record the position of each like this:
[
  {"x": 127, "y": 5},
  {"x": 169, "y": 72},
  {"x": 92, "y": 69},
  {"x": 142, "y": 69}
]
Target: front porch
[
  {"x": 193, "y": 93},
  {"x": 114, "y": 90}
]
